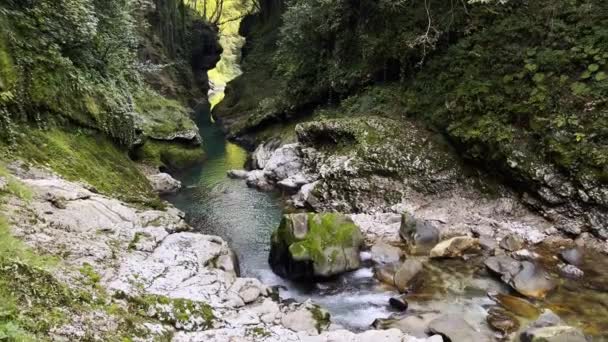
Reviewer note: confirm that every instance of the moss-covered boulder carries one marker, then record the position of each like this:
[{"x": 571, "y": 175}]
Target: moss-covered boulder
[{"x": 309, "y": 246}]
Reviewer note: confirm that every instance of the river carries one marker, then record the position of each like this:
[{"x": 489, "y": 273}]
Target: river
[
  {"x": 245, "y": 218},
  {"x": 215, "y": 204}
]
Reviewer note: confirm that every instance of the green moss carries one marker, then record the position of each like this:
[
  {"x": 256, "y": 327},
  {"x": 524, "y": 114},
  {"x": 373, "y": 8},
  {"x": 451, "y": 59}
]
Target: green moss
[
  {"x": 257, "y": 332},
  {"x": 170, "y": 155},
  {"x": 161, "y": 116},
  {"x": 321, "y": 317},
  {"x": 324, "y": 231},
  {"x": 178, "y": 312},
  {"x": 8, "y": 74},
  {"x": 13, "y": 186},
  {"x": 91, "y": 276},
  {"x": 136, "y": 238},
  {"x": 85, "y": 156}
]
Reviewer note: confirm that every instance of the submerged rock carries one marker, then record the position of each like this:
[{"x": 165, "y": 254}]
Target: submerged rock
[
  {"x": 573, "y": 256},
  {"x": 163, "y": 183},
  {"x": 518, "y": 306},
  {"x": 501, "y": 320},
  {"x": 455, "y": 247},
  {"x": 406, "y": 274},
  {"x": 398, "y": 303},
  {"x": 570, "y": 271},
  {"x": 560, "y": 333},
  {"x": 511, "y": 243},
  {"x": 421, "y": 236},
  {"x": 238, "y": 174},
  {"x": 383, "y": 253},
  {"x": 525, "y": 277},
  {"x": 312, "y": 245},
  {"x": 456, "y": 329}
]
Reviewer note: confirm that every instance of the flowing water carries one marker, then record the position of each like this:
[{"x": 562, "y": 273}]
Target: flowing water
[
  {"x": 245, "y": 218},
  {"x": 215, "y": 204}
]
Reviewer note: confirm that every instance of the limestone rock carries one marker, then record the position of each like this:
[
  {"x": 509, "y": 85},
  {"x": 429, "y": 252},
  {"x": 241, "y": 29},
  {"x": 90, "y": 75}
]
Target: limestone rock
[
  {"x": 257, "y": 179},
  {"x": 455, "y": 247},
  {"x": 525, "y": 277},
  {"x": 573, "y": 256},
  {"x": 163, "y": 183},
  {"x": 312, "y": 245},
  {"x": 248, "y": 289},
  {"x": 238, "y": 174},
  {"x": 406, "y": 273},
  {"x": 309, "y": 318},
  {"x": 501, "y": 320},
  {"x": 570, "y": 271},
  {"x": 455, "y": 328},
  {"x": 383, "y": 253},
  {"x": 421, "y": 236},
  {"x": 560, "y": 333},
  {"x": 512, "y": 243},
  {"x": 516, "y": 305},
  {"x": 284, "y": 162}
]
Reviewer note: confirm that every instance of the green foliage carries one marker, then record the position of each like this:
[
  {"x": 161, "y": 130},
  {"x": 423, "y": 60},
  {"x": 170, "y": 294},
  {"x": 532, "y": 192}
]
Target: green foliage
[
  {"x": 161, "y": 116},
  {"x": 82, "y": 155},
  {"x": 169, "y": 155}
]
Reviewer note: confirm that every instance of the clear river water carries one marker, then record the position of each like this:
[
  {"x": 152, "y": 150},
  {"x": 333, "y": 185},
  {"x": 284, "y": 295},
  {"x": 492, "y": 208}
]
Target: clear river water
[{"x": 215, "y": 204}]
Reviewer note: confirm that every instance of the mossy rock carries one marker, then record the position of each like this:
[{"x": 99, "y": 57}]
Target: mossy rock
[
  {"x": 164, "y": 119},
  {"x": 310, "y": 246},
  {"x": 169, "y": 155}
]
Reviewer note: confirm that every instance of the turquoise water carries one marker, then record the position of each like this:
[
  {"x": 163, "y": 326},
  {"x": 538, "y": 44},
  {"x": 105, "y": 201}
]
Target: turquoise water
[
  {"x": 217, "y": 205},
  {"x": 245, "y": 218}
]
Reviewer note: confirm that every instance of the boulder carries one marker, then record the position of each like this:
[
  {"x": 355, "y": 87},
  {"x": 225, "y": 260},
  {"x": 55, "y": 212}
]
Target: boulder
[
  {"x": 308, "y": 318},
  {"x": 501, "y": 320},
  {"x": 455, "y": 247},
  {"x": 572, "y": 256},
  {"x": 238, "y": 174},
  {"x": 456, "y": 329},
  {"x": 511, "y": 243},
  {"x": 421, "y": 236},
  {"x": 248, "y": 289},
  {"x": 525, "y": 277},
  {"x": 310, "y": 245},
  {"x": 262, "y": 154},
  {"x": 406, "y": 274},
  {"x": 398, "y": 303},
  {"x": 383, "y": 253},
  {"x": 386, "y": 274},
  {"x": 518, "y": 306},
  {"x": 560, "y": 333},
  {"x": 257, "y": 179},
  {"x": 284, "y": 162},
  {"x": 570, "y": 271},
  {"x": 163, "y": 183}
]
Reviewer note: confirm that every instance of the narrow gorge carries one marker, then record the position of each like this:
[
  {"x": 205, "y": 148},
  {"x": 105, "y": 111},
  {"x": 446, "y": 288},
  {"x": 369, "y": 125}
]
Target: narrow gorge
[{"x": 303, "y": 170}]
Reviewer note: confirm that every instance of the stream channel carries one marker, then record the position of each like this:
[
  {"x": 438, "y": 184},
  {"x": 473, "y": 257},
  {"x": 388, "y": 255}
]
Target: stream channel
[{"x": 245, "y": 218}]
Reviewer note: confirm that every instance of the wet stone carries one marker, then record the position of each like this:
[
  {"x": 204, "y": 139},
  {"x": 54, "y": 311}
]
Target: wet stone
[
  {"x": 570, "y": 271},
  {"x": 572, "y": 256},
  {"x": 398, "y": 303},
  {"x": 560, "y": 333},
  {"x": 511, "y": 243},
  {"x": 516, "y": 305},
  {"x": 502, "y": 320},
  {"x": 456, "y": 329},
  {"x": 455, "y": 247},
  {"x": 406, "y": 274},
  {"x": 383, "y": 253}
]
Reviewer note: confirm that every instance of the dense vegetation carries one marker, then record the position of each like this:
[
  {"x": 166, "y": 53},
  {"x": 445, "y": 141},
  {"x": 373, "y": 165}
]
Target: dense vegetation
[
  {"x": 123, "y": 70},
  {"x": 519, "y": 86}
]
